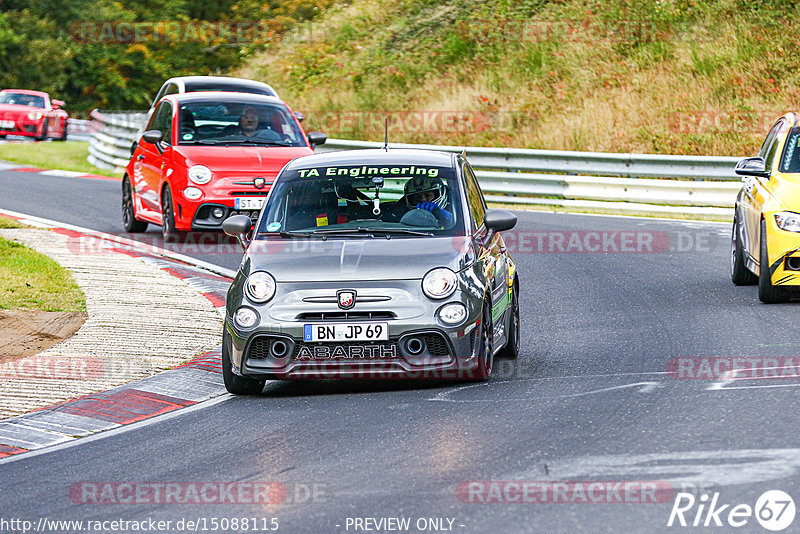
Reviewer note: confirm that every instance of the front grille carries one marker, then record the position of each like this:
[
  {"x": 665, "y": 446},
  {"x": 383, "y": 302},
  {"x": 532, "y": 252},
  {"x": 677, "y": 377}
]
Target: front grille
[
  {"x": 437, "y": 346},
  {"x": 259, "y": 348},
  {"x": 344, "y": 315},
  {"x": 259, "y": 193}
]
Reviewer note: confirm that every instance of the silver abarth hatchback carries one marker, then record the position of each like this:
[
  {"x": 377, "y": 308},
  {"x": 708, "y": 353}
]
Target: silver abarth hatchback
[{"x": 371, "y": 264}]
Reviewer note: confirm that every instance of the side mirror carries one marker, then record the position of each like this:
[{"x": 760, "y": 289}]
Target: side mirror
[
  {"x": 316, "y": 138},
  {"x": 57, "y": 103},
  {"x": 497, "y": 220},
  {"x": 153, "y": 136},
  {"x": 300, "y": 117},
  {"x": 238, "y": 226},
  {"x": 752, "y": 167}
]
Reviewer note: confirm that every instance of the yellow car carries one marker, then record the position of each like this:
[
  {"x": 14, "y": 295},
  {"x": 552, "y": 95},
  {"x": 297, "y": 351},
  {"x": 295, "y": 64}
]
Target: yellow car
[{"x": 765, "y": 241}]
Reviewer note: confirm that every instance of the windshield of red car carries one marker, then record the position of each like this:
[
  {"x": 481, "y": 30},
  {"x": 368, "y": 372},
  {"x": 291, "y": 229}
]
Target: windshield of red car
[
  {"x": 21, "y": 99},
  {"x": 234, "y": 123}
]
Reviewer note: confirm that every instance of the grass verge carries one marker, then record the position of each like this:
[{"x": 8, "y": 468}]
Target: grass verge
[
  {"x": 29, "y": 280},
  {"x": 7, "y": 222},
  {"x": 68, "y": 156}
]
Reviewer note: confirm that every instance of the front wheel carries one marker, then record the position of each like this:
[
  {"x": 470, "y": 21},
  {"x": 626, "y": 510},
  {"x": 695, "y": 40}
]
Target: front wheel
[
  {"x": 63, "y": 133},
  {"x": 128, "y": 211},
  {"x": 511, "y": 350},
  {"x": 740, "y": 274},
  {"x": 767, "y": 293},
  {"x": 235, "y": 384},
  {"x": 486, "y": 355},
  {"x": 44, "y": 132},
  {"x": 168, "y": 230}
]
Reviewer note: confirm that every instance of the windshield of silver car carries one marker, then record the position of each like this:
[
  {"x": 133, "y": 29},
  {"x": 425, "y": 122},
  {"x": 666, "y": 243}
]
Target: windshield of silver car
[{"x": 364, "y": 200}]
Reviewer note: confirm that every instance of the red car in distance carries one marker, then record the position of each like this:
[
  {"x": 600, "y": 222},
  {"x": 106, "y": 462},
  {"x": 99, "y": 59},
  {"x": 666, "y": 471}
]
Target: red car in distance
[
  {"x": 206, "y": 156},
  {"x": 32, "y": 114}
]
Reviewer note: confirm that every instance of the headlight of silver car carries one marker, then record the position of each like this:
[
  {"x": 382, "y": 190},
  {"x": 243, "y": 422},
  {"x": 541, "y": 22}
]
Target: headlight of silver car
[
  {"x": 199, "y": 174},
  {"x": 453, "y": 313},
  {"x": 787, "y": 220},
  {"x": 245, "y": 317},
  {"x": 260, "y": 287},
  {"x": 439, "y": 283}
]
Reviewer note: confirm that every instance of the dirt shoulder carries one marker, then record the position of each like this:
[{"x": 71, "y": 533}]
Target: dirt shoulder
[{"x": 28, "y": 332}]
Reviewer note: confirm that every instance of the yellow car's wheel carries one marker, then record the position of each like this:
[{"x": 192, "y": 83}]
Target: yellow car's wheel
[
  {"x": 767, "y": 293},
  {"x": 740, "y": 274}
]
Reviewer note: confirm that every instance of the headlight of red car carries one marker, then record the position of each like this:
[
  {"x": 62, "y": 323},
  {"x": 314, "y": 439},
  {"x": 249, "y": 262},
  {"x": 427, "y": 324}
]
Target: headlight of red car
[
  {"x": 35, "y": 115},
  {"x": 200, "y": 174}
]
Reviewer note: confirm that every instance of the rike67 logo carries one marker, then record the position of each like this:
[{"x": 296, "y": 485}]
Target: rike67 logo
[{"x": 774, "y": 510}]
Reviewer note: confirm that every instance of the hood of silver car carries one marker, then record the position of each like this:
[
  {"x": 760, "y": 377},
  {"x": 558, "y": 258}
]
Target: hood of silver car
[{"x": 399, "y": 258}]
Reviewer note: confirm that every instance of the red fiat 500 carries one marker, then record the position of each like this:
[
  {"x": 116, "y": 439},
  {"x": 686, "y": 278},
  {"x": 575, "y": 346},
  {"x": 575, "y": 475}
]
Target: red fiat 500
[
  {"x": 206, "y": 156},
  {"x": 32, "y": 114}
]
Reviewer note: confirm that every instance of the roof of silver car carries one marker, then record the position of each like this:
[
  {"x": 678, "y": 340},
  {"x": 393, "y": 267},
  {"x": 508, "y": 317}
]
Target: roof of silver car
[{"x": 376, "y": 157}]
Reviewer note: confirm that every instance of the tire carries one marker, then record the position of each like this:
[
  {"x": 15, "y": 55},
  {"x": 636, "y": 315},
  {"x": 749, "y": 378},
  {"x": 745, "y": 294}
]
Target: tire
[
  {"x": 63, "y": 133},
  {"x": 168, "y": 230},
  {"x": 767, "y": 293},
  {"x": 44, "y": 132},
  {"x": 235, "y": 384},
  {"x": 511, "y": 348},
  {"x": 132, "y": 225},
  {"x": 486, "y": 356},
  {"x": 740, "y": 274}
]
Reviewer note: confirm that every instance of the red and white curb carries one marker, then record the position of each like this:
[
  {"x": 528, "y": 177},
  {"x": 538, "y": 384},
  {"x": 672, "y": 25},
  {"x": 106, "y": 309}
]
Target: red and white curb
[
  {"x": 187, "y": 384},
  {"x": 18, "y": 167}
]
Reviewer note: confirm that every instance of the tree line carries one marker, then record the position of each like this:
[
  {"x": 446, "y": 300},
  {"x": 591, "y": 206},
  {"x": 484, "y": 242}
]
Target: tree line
[{"x": 103, "y": 54}]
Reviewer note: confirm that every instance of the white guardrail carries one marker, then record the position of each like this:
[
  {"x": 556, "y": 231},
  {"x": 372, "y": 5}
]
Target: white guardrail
[
  {"x": 636, "y": 184},
  {"x": 78, "y": 130}
]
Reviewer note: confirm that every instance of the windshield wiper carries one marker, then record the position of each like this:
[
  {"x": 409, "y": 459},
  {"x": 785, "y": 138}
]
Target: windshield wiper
[
  {"x": 201, "y": 142},
  {"x": 365, "y": 230},
  {"x": 405, "y": 231},
  {"x": 285, "y": 234},
  {"x": 361, "y": 230},
  {"x": 255, "y": 142}
]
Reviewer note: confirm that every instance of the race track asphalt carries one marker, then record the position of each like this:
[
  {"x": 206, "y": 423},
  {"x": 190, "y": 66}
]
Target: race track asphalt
[{"x": 589, "y": 399}]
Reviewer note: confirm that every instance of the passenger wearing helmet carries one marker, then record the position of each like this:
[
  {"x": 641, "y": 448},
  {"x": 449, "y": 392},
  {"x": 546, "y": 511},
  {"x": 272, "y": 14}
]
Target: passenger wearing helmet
[{"x": 428, "y": 193}]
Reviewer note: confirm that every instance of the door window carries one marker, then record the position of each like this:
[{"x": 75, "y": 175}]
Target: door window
[
  {"x": 474, "y": 196},
  {"x": 162, "y": 120}
]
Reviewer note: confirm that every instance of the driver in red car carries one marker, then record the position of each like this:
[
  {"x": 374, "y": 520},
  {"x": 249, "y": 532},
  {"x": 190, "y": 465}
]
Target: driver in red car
[
  {"x": 252, "y": 127},
  {"x": 248, "y": 124}
]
